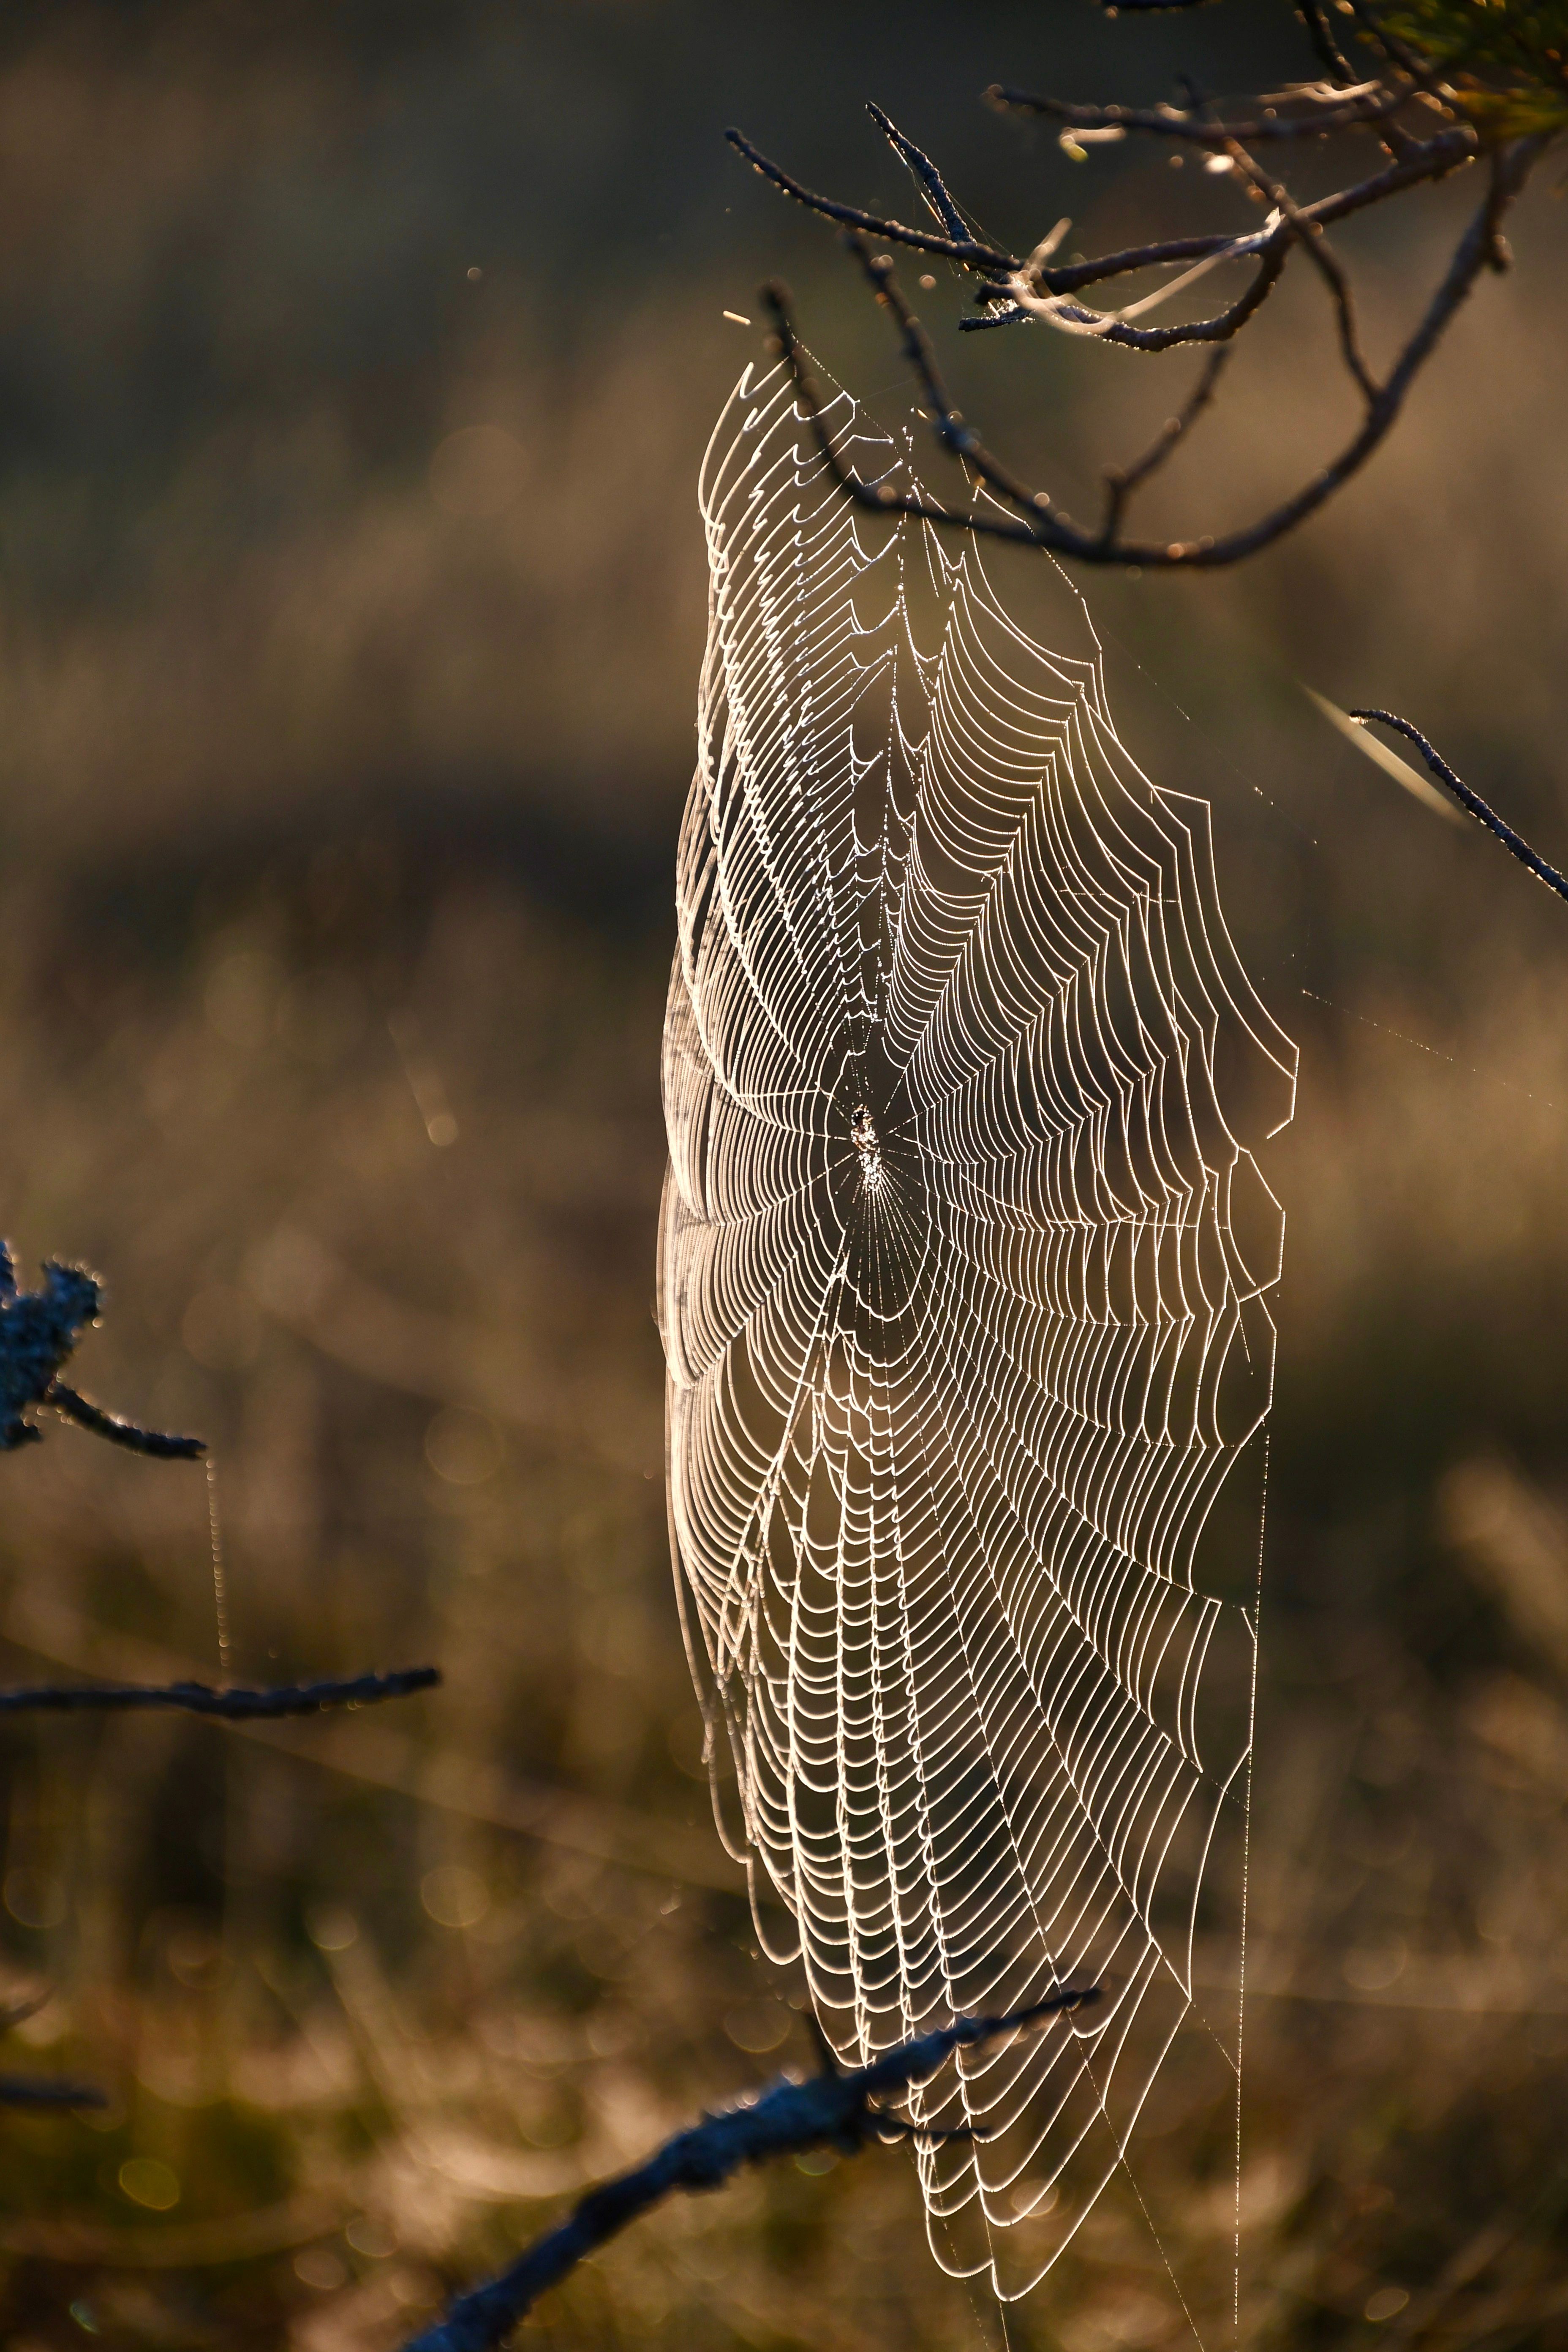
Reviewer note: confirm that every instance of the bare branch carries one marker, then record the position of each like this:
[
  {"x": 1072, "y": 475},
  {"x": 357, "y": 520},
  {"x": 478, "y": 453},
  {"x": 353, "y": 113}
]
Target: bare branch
[
  {"x": 965, "y": 248},
  {"x": 1046, "y": 525},
  {"x": 39, "y": 1329},
  {"x": 1430, "y": 159},
  {"x": 831, "y": 2110},
  {"x": 44, "y": 2091},
  {"x": 1121, "y": 481},
  {"x": 200, "y": 1698},
  {"x": 1045, "y": 528},
  {"x": 1020, "y": 290},
  {"x": 87, "y": 1415},
  {"x": 1315, "y": 246},
  {"x": 1068, "y": 278},
  {"x": 1325, "y": 48},
  {"x": 924, "y": 170},
  {"x": 1479, "y": 809},
  {"x": 1373, "y": 104},
  {"x": 1041, "y": 289},
  {"x": 1107, "y": 327}
]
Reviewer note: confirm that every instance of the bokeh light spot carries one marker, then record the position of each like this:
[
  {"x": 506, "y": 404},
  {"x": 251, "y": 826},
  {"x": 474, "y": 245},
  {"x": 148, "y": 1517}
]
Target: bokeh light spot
[
  {"x": 758, "y": 2025},
  {"x": 454, "y": 1896},
  {"x": 331, "y": 1927},
  {"x": 1388, "y": 2303},
  {"x": 148, "y": 2180},
  {"x": 35, "y": 1899}
]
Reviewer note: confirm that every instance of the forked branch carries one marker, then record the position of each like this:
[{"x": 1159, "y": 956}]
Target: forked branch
[
  {"x": 1394, "y": 102},
  {"x": 1034, "y": 517}
]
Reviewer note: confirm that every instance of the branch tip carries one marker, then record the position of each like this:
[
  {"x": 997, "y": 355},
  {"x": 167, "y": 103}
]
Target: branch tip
[{"x": 1482, "y": 811}]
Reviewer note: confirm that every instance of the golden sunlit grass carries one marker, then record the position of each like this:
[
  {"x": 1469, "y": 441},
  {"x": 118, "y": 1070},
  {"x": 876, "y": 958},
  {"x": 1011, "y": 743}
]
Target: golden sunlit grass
[{"x": 368, "y": 1995}]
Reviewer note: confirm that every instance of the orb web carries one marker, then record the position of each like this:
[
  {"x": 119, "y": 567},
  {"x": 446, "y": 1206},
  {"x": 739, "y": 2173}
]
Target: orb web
[{"x": 964, "y": 1274}]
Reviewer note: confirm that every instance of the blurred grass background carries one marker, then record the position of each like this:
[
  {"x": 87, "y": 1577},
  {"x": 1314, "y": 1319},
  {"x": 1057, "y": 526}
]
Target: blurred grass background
[{"x": 355, "y": 362}]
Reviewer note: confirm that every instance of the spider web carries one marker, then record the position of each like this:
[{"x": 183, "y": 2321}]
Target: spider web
[{"x": 963, "y": 1275}]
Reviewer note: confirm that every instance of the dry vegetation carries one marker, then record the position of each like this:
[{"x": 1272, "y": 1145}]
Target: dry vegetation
[{"x": 341, "y": 767}]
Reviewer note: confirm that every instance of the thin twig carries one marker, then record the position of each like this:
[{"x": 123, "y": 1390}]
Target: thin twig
[
  {"x": 924, "y": 170},
  {"x": 965, "y": 248},
  {"x": 1483, "y": 813},
  {"x": 201, "y": 1698},
  {"x": 1175, "y": 123},
  {"x": 45, "y": 2091},
  {"x": 1121, "y": 481},
  {"x": 1325, "y": 48},
  {"x": 1069, "y": 278},
  {"x": 1107, "y": 328},
  {"x": 830, "y": 2110},
  {"x": 158, "y": 1442},
  {"x": 1315, "y": 246},
  {"x": 1432, "y": 159}
]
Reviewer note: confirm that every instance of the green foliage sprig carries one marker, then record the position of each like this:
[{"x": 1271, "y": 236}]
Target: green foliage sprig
[{"x": 1500, "y": 64}]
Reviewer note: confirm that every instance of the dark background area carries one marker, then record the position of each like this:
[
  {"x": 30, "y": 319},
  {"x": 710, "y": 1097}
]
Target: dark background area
[{"x": 351, "y": 606}]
